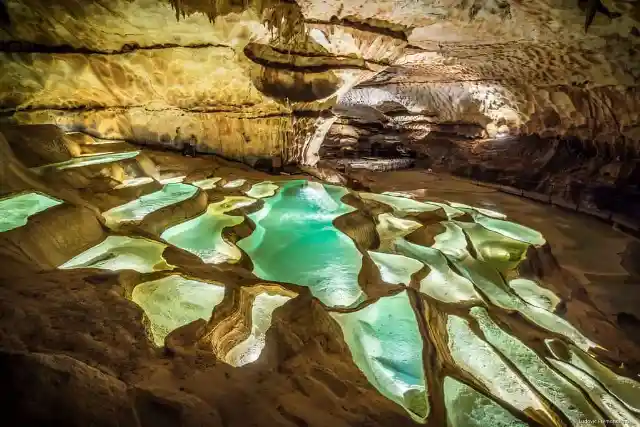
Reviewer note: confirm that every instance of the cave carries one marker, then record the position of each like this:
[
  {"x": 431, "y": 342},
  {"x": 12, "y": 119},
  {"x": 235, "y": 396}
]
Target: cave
[{"x": 304, "y": 213}]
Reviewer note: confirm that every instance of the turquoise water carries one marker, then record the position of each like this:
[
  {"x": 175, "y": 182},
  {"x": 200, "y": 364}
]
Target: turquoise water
[
  {"x": 174, "y": 301},
  {"x": 122, "y": 253},
  {"x": 296, "y": 242},
  {"x": 16, "y": 210},
  {"x": 249, "y": 350},
  {"x": 262, "y": 190},
  {"x": 549, "y": 383},
  {"x": 387, "y": 347},
  {"x": 202, "y": 235},
  {"x": 468, "y": 408},
  {"x": 207, "y": 184},
  {"x": 137, "y": 209}
]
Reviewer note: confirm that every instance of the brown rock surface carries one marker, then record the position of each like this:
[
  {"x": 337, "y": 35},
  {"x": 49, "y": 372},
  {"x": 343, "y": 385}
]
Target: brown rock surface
[{"x": 57, "y": 389}]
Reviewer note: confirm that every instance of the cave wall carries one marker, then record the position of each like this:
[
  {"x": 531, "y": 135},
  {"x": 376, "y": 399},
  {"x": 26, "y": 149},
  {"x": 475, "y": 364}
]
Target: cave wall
[
  {"x": 151, "y": 72},
  {"x": 237, "y": 76},
  {"x": 554, "y": 90}
]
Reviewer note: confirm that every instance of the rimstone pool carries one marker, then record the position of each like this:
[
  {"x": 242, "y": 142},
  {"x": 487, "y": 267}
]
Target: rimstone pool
[{"x": 429, "y": 296}]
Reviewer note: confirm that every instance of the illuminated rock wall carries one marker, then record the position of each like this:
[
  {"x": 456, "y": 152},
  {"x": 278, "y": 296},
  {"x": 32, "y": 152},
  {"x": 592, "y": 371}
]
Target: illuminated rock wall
[{"x": 240, "y": 77}]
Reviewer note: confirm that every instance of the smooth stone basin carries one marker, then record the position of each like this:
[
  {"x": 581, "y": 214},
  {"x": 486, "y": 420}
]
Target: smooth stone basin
[
  {"x": 137, "y": 209},
  {"x": 202, "y": 235},
  {"x": 207, "y": 184},
  {"x": 135, "y": 182},
  {"x": 510, "y": 229},
  {"x": 453, "y": 244},
  {"x": 173, "y": 179},
  {"x": 487, "y": 212},
  {"x": 235, "y": 183},
  {"x": 262, "y": 310},
  {"x": 534, "y": 294},
  {"x": 295, "y": 242},
  {"x": 82, "y": 161},
  {"x": 469, "y": 408},
  {"x": 401, "y": 205},
  {"x": 612, "y": 407},
  {"x": 122, "y": 253},
  {"x": 390, "y": 228},
  {"x": 463, "y": 278},
  {"x": 625, "y": 389},
  {"x": 480, "y": 360},
  {"x": 174, "y": 301},
  {"x": 16, "y": 210},
  {"x": 262, "y": 190},
  {"x": 442, "y": 282},
  {"x": 497, "y": 250},
  {"x": 395, "y": 269},
  {"x": 569, "y": 399},
  {"x": 387, "y": 347}
]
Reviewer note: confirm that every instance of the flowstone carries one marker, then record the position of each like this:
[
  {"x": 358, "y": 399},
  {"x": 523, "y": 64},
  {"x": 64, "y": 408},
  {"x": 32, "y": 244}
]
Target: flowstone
[
  {"x": 479, "y": 359},
  {"x": 235, "y": 183},
  {"x": 262, "y": 310},
  {"x": 487, "y": 212},
  {"x": 395, "y": 269},
  {"x": 553, "y": 386},
  {"x": 401, "y": 205},
  {"x": 207, "y": 184},
  {"x": 468, "y": 408},
  {"x": 625, "y": 389},
  {"x": 262, "y": 190},
  {"x": 442, "y": 283},
  {"x": 611, "y": 406},
  {"x": 535, "y": 294},
  {"x": 83, "y": 161},
  {"x": 135, "y": 182},
  {"x": 122, "y": 253},
  {"x": 439, "y": 321}
]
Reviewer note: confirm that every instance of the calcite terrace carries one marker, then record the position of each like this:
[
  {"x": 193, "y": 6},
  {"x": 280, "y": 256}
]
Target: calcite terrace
[{"x": 432, "y": 302}]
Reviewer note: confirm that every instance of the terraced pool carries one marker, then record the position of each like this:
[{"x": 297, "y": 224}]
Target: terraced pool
[
  {"x": 15, "y": 210},
  {"x": 453, "y": 315}
]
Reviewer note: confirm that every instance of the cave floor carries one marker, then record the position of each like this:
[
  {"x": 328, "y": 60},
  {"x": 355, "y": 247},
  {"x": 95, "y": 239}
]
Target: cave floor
[
  {"x": 604, "y": 261},
  {"x": 169, "y": 290}
]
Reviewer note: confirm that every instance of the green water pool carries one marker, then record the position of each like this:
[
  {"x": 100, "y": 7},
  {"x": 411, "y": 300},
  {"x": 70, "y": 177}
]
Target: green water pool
[
  {"x": 137, "y": 209},
  {"x": 16, "y": 210},
  {"x": 296, "y": 242},
  {"x": 202, "y": 235}
]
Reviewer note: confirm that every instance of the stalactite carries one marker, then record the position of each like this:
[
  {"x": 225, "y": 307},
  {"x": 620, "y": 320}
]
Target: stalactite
[{"x": 286, "y": 23}]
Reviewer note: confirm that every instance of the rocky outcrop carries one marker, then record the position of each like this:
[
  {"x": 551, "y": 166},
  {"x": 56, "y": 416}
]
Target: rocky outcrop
[{"x": 57, "y": 389}]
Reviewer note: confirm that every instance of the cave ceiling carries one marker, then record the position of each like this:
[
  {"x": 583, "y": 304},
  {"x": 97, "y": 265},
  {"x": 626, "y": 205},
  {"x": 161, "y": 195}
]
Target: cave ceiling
[{"x": 265, "y": 78}]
